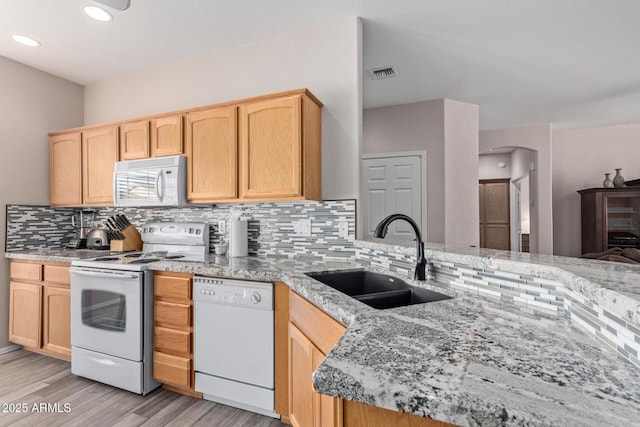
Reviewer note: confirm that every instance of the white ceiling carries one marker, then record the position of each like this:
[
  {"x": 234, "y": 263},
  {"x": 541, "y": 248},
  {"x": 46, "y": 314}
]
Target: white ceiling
[{"x": 573, "y": 63}]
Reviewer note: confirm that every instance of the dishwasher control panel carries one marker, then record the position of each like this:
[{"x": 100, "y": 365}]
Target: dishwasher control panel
[{"x": 233, "y": 292}]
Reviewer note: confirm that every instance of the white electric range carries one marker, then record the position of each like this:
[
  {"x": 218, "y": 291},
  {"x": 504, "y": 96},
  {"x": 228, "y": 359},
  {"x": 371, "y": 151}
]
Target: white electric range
[{"x": 112, "y": 306}]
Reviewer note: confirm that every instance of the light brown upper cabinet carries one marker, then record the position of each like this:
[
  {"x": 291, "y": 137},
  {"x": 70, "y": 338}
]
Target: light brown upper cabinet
[
  {"x": 280, "y": 149},
  {"x": 167, "y": 136},
  {"x": 81, "y": 167},
  {"x": 134, "y": 140},
  {"x": 65, "y": 156},
  {"x": 151, "y": 138},
  {"x": 99, "y": 154},
  {"x": 264, "y": 148},
  {"x": 212, "y": 155}
]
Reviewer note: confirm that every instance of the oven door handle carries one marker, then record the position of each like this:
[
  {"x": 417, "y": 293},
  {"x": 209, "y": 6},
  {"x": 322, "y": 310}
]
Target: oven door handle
[
  {"x": 104, "y": 361},
  {"x": 105, "y": 275}
]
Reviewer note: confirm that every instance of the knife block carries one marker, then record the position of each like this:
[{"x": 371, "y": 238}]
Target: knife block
[{"x": 131, "y": 242}]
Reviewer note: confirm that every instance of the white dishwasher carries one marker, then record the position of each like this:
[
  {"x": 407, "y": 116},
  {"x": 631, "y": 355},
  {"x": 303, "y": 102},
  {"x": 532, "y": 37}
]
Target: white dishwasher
[{"x": 233, "y": 343}]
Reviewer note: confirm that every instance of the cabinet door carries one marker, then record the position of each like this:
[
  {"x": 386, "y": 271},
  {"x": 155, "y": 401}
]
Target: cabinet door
[
  {"x": 212, "y": 155},
  {"x": 621, "y": 219},
  {"x": 57, "y": 321},
  {"x": 271, "y": 148},
  {"x": 25, "y": 314},
  {"x": 134, "y": 140},
  {"x": 307, "y": 406},
  {"x": 327, "y": 409},
  {"x": 167, "y": 136},
  {"x": 99, "y": 154},
  {"x": 302, "y": 397},
  {"x": 65, "y": 161}
]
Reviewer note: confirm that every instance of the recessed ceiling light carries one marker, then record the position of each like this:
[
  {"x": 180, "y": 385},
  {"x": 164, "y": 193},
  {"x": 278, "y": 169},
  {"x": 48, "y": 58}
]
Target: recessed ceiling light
[
  {"x": 98, "y": 14},
  {"x": 27, "y": 41}
]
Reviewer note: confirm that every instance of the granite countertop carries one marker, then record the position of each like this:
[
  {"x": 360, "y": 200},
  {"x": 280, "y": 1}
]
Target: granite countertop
[{"x": 468, "y": 360}]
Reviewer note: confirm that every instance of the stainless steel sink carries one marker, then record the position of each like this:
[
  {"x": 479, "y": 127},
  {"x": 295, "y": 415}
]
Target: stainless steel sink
[{"x": 377, "y": 290}]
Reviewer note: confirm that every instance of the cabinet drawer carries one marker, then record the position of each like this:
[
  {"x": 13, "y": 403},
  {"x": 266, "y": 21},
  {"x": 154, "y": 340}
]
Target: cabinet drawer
[
  {"x": 172, "y": 313},
  {"x": 172, "y": 287},
  {"x": 57, "y": 274},
  {"x": 26, "y": 271},
  {"x": 172, "y": 340},
  {"x": 171, "y": 369}
]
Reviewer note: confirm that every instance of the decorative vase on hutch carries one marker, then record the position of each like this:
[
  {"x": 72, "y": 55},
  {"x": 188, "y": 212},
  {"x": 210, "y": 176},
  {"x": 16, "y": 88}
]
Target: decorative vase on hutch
[
  {"x": 607, "y": 183},
  {"x": 618, "y": 180}
]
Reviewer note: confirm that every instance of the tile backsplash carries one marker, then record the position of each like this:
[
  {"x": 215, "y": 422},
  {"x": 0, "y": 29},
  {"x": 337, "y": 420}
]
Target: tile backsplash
[{"x": 271, "y": 226}]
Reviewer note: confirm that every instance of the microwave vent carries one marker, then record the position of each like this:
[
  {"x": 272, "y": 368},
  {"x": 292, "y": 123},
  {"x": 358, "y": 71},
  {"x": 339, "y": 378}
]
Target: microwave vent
[{"x": 389, "y": 72}]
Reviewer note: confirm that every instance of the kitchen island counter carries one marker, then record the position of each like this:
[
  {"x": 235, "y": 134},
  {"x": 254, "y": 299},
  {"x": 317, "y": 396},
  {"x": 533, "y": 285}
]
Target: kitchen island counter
[{"x": 470, "y": 360}]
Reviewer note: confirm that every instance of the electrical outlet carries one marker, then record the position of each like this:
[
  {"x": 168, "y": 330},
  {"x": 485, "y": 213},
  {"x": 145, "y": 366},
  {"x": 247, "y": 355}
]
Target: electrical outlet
[
  {"x": 302, "y": 227},
  {"x": 343, "y": 229},
  {"x": 305, "y": 227},
  {"x": 222, "y": 226}
]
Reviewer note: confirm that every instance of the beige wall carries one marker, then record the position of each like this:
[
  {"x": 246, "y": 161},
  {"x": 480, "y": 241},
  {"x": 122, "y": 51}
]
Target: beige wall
[
  {"x": 448, "y": 131},
  {"x": 538, "y": 138},
  {"x": 462, "y": 209},
  {"x": 413, "y": 127},
  {"x": 488, "y": 166},
  {"x": 326, "y": 60},
  {"x": 32, "y": 104},
  {"x": 581, "y": 157}
]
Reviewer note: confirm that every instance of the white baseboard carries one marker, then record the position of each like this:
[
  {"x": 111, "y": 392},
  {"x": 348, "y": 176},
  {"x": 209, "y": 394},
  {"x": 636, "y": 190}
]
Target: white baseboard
[{"x": 10, "y": 348}]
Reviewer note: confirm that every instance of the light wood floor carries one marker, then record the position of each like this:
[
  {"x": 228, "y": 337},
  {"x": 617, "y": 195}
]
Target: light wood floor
[{"x": 43, "y": 383}]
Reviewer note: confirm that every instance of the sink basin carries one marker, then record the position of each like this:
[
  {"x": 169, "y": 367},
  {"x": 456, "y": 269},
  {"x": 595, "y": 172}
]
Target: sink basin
[
  {"x": 359, "y": 282},
  {"x": 377, "y": 290}
]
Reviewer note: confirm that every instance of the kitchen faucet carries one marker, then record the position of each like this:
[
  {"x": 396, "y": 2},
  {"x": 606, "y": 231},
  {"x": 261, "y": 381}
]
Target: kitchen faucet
[{"x": 421, "y": 263}]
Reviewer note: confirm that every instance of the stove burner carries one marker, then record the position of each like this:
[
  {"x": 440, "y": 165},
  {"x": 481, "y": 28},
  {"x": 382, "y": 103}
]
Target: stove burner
[
  {"x": 133, "y": 255},
  {"x": 144, "y": 260},
  {"x": 107, "y": 258}
]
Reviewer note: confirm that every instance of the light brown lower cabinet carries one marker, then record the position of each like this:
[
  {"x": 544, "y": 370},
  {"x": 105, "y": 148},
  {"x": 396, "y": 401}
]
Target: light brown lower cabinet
[
  {"x": 57, "y": 320},
  {"x": 308, "y": 407},
  {"x": 173, "y": 332},
  {"x": 358, "y": 414},
  {"x": 311, "y": 335},
  {"x": 25, "y": 314},
  {"x": 39, "y": 308}
]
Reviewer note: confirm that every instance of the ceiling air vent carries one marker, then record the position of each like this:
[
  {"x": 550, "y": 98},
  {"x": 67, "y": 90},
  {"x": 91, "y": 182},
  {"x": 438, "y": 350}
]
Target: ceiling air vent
[{"x": 383, "y": 73}]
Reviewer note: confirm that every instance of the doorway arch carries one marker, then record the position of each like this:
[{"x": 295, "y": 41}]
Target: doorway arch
[{"x": 538, "y": 139}]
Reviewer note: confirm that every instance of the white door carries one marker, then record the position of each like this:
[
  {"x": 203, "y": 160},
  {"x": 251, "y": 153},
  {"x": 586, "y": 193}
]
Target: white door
[{"x": 394, "y": 183}]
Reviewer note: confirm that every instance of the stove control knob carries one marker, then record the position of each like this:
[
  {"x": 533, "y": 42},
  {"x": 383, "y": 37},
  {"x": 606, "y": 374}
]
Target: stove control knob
[{"x": 256, "y": 298}]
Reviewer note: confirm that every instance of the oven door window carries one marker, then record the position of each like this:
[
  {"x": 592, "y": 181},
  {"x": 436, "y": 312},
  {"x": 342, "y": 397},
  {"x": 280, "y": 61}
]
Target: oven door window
[{"x": 104, "y": 310}]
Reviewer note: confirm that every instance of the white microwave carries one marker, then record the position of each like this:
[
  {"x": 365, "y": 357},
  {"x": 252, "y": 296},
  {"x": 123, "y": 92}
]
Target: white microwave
[{"x": 159, "y": 181}]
